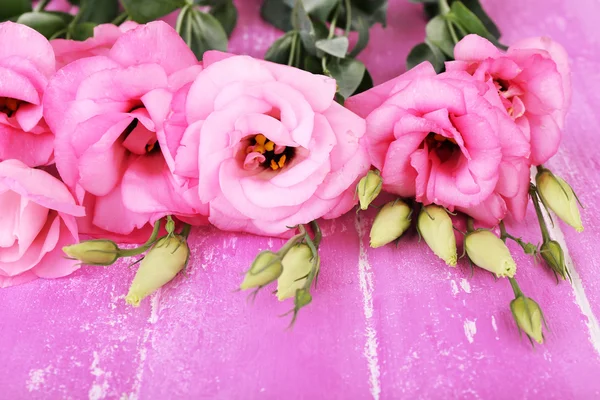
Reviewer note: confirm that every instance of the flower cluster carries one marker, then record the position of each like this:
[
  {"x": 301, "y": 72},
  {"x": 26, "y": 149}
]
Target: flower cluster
[{"x": 141, "y": 132}]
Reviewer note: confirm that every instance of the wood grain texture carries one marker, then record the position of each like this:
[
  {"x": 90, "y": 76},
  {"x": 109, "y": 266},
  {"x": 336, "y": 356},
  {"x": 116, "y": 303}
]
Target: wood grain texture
[{"x": 386, "y": 323}]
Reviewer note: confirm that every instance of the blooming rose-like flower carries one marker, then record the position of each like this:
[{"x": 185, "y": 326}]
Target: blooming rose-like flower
[
  {"x": 266, "y": 145},
  {"x": 533, "y": 79},
  {"x": 107, "y": 150},
  {"x": 26, "y": 65},
  {"x": 445, "y": 139},
  {"x": 105, "y": 36},
  {"x": 60, "y": 5},
  {"x": 36, "y": 221}
]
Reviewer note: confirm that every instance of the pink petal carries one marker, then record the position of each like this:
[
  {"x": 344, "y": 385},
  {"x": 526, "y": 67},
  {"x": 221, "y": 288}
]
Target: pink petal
[
  {"x": 21, "y": 41},
  {"x": 475, "y": 48}
]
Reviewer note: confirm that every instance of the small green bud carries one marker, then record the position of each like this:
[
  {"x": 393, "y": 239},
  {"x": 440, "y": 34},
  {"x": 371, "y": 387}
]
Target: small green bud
[
  {"x": 302, "y": 298},
  {"x": 160, "y": 265},
  {"x": 265, "y": 269},
  {"x": 559, "y": 197},
  {"x": 530, "y": 248},
  {"x": 528, "y": 315},
  {"x": 390, "y": 223},
  {"x": 554, "y": 257},
  {"x": 297, "y": 264},
  {"x": 489, "y": 252},
  {"x": 369, "y": 188},
  {"x": 435, "y": 227},
  {"x": 94, "y": 252}
]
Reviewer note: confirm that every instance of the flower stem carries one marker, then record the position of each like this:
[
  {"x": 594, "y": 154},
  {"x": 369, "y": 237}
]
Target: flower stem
[
  {"x": 41, "y": 5},
  {"x": 538, "y": 211},
  {"x": 141, "y": 249},
  {"x": 515, "y": 287},
  {"x": 185, "y": 231},
  {"x": 318, "y": 234},
  {"x": 470, "y": 225},
  {"x": 293, "y": 50},
  {"x": 348, "y": 17},
  {"x": 121, "y": 18}
]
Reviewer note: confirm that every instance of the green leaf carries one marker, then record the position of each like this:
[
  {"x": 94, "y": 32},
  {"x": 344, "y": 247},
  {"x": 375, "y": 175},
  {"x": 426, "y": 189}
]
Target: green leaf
[
  {"x": 301, "y": 22},
  {"x": 477, "y": 9},
  {"x": 319, "y": 9},
  {"x": 226, "y": 13},
  {"x": 373, "y": 11},
  {"x": 83, "y": 31},
  {"x": 14, "y": 8},
  {"x": 437, "y": 33},
  {"x": 337, "y": 46},
  {"x": 363, "y": 37},
  {"x": 201, "y": 31},
  {"x": 143, "y": 11},
  {"x": 365, "y": 84},
  {"x": 425, "y": 52},
  {"x": 349, "y": 73},
  {"x": 278, "y": 14},
  {"x": 45, "y": 23},
  {"x": 462, "y": 16},
  {"x": 279, "y": 52},
  {"x": 313, "y": 64},
  {"x": 98, "y": 11}
]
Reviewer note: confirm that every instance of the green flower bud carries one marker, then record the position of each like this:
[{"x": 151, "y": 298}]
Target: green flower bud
[
  {"x": 160, "y": 265},
  {"x": 435, "y": 227},
  {"x": 297, "y": 264},
  {"x": 489, "y": 252},
  {"x": 368, "y": 188},
  {"x": 390, "y": 223},
  {"x": 558, "y": 196},
  {"x": 94, "y": 252},
  {"x": 528, "y": 315},
  {"x": 554, "y": 257},
  {"x": 302, "y": 298},
  {"x": 265, "y": 269}
]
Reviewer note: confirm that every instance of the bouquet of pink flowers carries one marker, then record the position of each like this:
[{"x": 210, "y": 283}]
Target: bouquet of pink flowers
[{"x": 115, "y": 133}]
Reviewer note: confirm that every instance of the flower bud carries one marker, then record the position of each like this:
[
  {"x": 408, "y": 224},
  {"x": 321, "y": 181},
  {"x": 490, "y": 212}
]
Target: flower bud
[
  {"x": 489, "y": 252},
  {"x": 368, "y": 188},
  {"x": 93, "y": 252},
  {"x": 435, "y": 227},
  {"x": 528, "y": 315},
  {"x": 390, "y": 223},
  {"x": 558, "y": 196},
  {"x": 265, "y": 269},
  {"x": 554, "y": 257},
  {"x": 297, "y": 264},
  {"x": 160, "y": 265}
]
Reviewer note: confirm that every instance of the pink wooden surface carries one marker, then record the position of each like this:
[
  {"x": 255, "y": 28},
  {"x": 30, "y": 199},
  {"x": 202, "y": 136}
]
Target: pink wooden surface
[{"x": 386, "y": 323}]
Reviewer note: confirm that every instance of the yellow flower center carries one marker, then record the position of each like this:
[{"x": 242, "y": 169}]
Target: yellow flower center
[
  {"x": 275, "y": 157},
  {"x": 9, "y": 106}
]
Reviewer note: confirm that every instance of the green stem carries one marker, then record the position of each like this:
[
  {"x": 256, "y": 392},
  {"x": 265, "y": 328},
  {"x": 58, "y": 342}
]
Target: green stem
[
  {"x": 452, "y": 31},
  {"x": 348, "y": 17},
  {"x": 58, "y": 34},
  {"x": 318, "y": 234},
  {"x": 179, "y": 23},
  {"x": 141, "y": 249},
  {"x": 122, "y": 18},
  {"x": 185, "y": 231},
  {"x": 293, "y": 50},
  {"x": 538, "y": 211},
  {"x": 515, "y": 287},
  {"x": 444, "y": 7},
  {"x": 334, "y": 23},
  {"x": 41, "y": 5},
  {"x": 470, "y": 225}
]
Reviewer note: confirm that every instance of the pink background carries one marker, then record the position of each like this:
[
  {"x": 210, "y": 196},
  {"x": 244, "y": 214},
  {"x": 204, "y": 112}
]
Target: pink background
[{"x": 385, "y": 323}]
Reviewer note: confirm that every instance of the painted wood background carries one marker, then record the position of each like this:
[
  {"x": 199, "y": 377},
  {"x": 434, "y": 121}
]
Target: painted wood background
[{"x": 386, "y": 323}]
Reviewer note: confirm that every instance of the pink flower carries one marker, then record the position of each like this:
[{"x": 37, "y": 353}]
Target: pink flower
[
  {"x": 105, "y": 36},
  {"x": 37, "y": 220},
  {"x": 533, "y": 80},
  {"x": 266, "y": 145},
  {"x": 60, "y": 5},
  {"x": 446, "y": 140},
  {"x": 26, "y": 65},
  {"x": 102, "y": 110}
]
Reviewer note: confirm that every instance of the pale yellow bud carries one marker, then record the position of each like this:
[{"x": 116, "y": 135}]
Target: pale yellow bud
[
  {"x": 435, "y": 227},
  {"x": 368, "y": 188},
  {"x": 560, "y": 198},
  {"x": 93, "y": 252},
  {"x": 297, "y": 264},
  {"x": 265, "y": 269},
  {"x": 489, "y": 252},
  {"x": 390, "y": 223},
  {"x": 162, "y": 263},
  {"x": 528, "y": 315}
]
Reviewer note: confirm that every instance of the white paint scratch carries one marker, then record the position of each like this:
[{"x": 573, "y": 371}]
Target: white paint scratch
[
  {"x": 37, "y": 378},
  {"x": 465, "y": 285},
  {"x": 154, "y": 306},
  {"x": 495, "y": 327},
  {"x": 365, "y": 278},
  {"x": 580, "y": 296},
  {"x": 99, "y": 389},
  {"x": 470, "y": 329},
  {"x": 454, "y": 287},
  {"x": 139, "y": 373}
]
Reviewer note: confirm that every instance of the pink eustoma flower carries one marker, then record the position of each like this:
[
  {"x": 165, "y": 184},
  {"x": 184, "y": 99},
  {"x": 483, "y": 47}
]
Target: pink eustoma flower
[
  {"x": 445, "y": 139},
  {"x": 26, "y": 65},
  {"x": 37, "y": 220},
  {"x": 105, "y": 36},
  {"x": 265, "y": 145},
  {"x": 533, "y": 79},
  {"x": 102, "y": 110}
]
